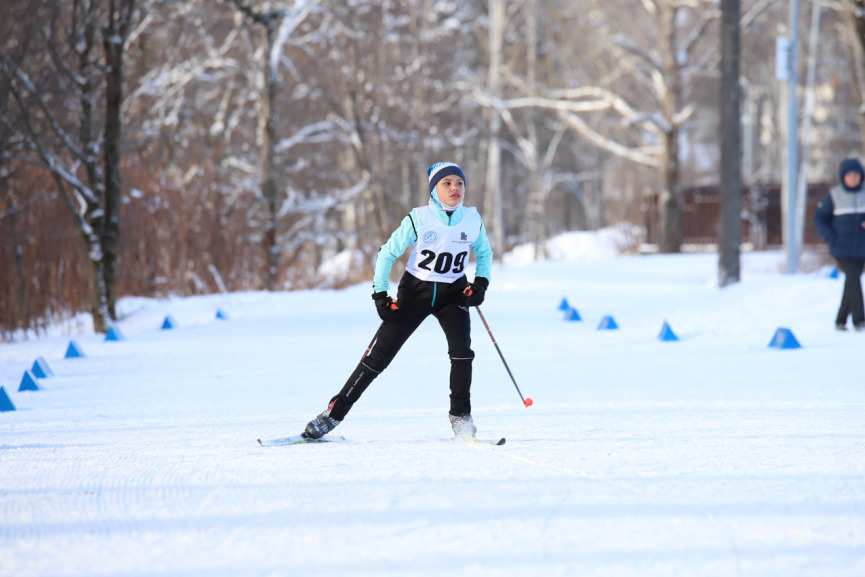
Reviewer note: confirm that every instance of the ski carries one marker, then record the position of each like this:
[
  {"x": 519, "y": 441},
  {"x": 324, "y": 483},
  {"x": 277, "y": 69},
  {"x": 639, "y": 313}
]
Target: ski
[
  {"x": 298, "y": 440},
  {"x": 476, "y": 441},
  {"x": 490, "y": 441}
]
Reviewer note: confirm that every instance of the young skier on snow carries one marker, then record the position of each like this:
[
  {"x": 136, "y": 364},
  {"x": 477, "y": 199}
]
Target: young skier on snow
[{"x": 435, "y": 284}]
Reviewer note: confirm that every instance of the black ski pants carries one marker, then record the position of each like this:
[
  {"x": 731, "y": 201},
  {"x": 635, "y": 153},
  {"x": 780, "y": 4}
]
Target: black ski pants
[
  {"x": 456, "y": 324},
  {"x": 851, "y": 299}
]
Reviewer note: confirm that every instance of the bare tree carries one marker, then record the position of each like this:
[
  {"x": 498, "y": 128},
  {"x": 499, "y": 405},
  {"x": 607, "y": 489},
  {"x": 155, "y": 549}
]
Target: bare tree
[
  {"x": 645, "y": 86},
  {"x": 393, "y": 91},
  {"x": 519, "y": 71},
  {"x": 78, "y": 145},
  {"x": 854, "y": 16},
  {"x": 277, "y": 25},
  {"x": 569, "y": 112},
  {"x": 117, "y": 27},
  {"x": 493, "y": 207}
]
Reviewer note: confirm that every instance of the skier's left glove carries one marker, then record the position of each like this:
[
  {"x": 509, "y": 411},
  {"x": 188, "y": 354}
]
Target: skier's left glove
[{"x": 474, "y": 293}]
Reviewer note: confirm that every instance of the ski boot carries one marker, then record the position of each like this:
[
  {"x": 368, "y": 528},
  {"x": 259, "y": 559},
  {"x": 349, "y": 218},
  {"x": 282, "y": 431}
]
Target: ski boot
[
  {"x": 320, "y": 426},
  {"x": 463, "y": 426}
]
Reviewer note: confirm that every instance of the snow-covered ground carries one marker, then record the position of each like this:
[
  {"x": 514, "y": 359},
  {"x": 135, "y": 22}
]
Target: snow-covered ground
[{"x": 713, "y": 455}]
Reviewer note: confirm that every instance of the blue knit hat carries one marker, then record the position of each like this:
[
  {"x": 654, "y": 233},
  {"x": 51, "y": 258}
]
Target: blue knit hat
[{"x": 439, "y": 170}]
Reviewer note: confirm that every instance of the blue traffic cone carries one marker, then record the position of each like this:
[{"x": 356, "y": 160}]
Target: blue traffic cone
[
  {"x": 667, "y": 333},
  {"x": 74, "y": 351},
  {"x": 5, "y": 401},
  {"x": 572, "y": 315},
  {"x": 28, "y": 382},
  {"x": 607, "y": 324},
  {"x": 41, "y": 368},
  {"x": 564, "y": 306},
  {"x": 114, "y": 334},
  {"x": 784, "y": 339},
  {"x": 168, "y": 323}
]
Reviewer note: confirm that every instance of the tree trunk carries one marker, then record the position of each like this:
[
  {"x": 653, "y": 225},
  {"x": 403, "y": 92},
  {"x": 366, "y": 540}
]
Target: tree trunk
[
  {"x": 22, "y": 315},
  {"x": 730, "y": 222},
  {"x": 854, "y": 16},
  {"x": 270, "y": 180},
  {"x": 537, "y": 197},
  {"x": 493, "y": 205},
  {"x": 671, "y": 205},
  {"x": 536, "y": 213},
  {"x": 268, "y": 122},
  {"x": 99, "y": 300},
  {"x": 91, "y": 223},
  {"x": 114, "y": 43},
  {"x": 670, "y": 208},
  {"x": 99, "y": 304}
]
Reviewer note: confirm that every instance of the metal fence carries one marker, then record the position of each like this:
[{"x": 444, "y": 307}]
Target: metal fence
[{"x": 761, "y": 215}]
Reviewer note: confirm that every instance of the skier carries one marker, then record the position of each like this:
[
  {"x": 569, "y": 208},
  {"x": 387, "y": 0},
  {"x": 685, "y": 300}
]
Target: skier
[
  {"x": 434, "y": 283},
  {"x": 840, "y": 220}
]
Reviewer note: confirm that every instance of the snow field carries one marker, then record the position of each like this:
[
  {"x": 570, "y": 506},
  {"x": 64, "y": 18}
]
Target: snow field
[{"x": 714, "y": 455}]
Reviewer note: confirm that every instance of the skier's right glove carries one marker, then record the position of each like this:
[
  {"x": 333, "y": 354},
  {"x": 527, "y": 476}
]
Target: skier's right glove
[
  {"x": 386, "y": 306},
  {"x": 474, "y": 293}
]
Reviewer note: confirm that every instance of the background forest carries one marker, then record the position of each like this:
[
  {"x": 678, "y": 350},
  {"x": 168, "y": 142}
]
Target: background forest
[{"x": 156, "y": 147}]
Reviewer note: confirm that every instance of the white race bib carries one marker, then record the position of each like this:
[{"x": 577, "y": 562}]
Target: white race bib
[{"x": 441, "y": 252}]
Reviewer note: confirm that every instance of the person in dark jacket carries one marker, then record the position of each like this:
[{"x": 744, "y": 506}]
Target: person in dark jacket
[{"x": 840, "y": 220}]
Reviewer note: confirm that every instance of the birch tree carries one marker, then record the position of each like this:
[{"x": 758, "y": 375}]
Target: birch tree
[
  {"x": 518, "y": 71},
  {"x": 648, "y": 71},
  {"x": 390, "y": 80},
  {"x": 658, "y": 68},
  {"x": 493, "y": 206},
  {"x": 68, "y": 105},
  {"x": 854, "y": 16},
  {"x": 277, "y": 25}
]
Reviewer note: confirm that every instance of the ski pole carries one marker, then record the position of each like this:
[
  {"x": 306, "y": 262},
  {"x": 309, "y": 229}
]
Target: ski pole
[
  {"x": 372, "y": 342},
  {"x": 392, "y": 306},
  {"x": 526, "y": 401}
]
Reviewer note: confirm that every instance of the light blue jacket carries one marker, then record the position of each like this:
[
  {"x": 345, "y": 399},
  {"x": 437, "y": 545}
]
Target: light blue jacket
[{"x": 406, "y": 235}]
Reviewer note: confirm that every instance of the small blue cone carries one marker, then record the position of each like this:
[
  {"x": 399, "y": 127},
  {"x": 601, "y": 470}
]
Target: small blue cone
[
  {"x": 221, "y": 315},
  {"x": 564, "y": 306},
  {"x": 572, "y": 315},
  {"x": 74, "y": 351},
  {"x": 5, "y": 401},
  {"x": 28, "y": 382},
  {"x": 834, "y": 272},
  {"x": 168, "y": 323},
  {"x": 607, "y": 324},
  {"x": 667, "y": 333},
  {"x": 41, "y": 368},
  {"x": 114, "y": 334},
  {"x": 784, "y": 339}
]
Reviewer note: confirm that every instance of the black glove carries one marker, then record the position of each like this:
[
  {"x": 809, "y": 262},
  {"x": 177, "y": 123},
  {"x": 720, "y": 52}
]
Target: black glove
[
  {"x": 386, "y": 306},
  {"x": 474, "y": 293}
]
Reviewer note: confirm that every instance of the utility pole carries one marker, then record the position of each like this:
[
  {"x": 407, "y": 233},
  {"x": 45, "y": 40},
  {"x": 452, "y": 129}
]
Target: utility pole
[
  {"x": 730, "y": 218},
  {"x": 807, "y": 114}
]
